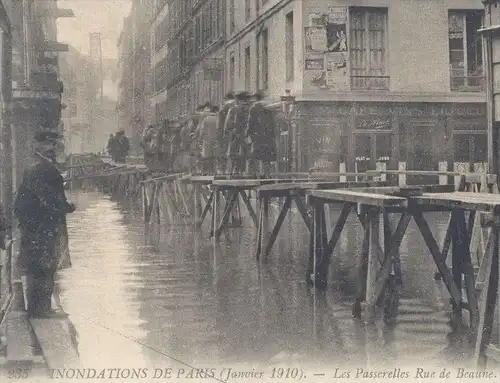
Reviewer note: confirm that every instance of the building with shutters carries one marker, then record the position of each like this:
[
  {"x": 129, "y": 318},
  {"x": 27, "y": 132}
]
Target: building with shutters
[
  {"x": 135, "y": 76},
  {"x": 188, "y": 42},
  {"x": 377, "y": 83}
]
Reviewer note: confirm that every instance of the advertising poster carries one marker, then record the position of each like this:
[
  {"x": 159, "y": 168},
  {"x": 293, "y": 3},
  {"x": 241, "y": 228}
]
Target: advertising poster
[
  {"x": 337, "y": 77},
  {"x": 326, "y": 37},
  {"x": 316, "y": 40},
  {"x": 314, "y": 63}
]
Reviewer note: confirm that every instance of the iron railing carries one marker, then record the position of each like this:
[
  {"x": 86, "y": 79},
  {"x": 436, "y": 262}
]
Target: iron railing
[
  {"x": 467, "y": 83},
  {"x": 370, "y": 82}
]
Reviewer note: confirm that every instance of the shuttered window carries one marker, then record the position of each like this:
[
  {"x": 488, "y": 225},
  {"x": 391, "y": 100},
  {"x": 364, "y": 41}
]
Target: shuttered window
[{"x": 368, "y": 47}]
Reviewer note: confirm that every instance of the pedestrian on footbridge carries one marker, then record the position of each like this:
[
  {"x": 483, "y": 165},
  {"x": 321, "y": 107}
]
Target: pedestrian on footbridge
[
  {"x": 122, "y": 146},
  {"x": 41, "y": 207},
  {"x": 111, "y": 147}
]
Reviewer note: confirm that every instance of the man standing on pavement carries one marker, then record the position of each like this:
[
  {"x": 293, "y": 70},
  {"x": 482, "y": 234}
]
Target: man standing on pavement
[{"x": 41, "y": 207}]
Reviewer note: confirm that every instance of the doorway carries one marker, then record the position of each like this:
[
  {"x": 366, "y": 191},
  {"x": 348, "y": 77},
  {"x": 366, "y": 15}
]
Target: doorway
[
  {"x": 372, "y": 148},
  {"x": 425, "y": 147}
]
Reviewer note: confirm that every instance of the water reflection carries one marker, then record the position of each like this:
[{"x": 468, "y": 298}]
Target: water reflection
[{"x": 179, "y": 297}]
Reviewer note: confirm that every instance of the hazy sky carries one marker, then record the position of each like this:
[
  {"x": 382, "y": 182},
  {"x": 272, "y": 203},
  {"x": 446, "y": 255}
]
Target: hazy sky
[{"x": 105, "y": 16}]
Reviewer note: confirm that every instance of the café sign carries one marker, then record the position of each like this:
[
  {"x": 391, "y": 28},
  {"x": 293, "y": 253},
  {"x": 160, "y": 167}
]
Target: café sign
[{"x": 374, "y": 123}]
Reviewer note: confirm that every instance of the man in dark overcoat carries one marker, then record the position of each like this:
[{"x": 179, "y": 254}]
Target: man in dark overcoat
[
  {"x": 261, "y": 136},
  {"x": 236, "y": 124},
  {"x": 122, "y": 146},
  {"x": 41, "y": 207}
]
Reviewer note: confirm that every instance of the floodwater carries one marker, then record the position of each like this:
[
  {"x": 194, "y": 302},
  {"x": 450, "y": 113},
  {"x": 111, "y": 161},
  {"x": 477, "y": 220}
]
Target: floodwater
[{"x": 185, "y": 302}]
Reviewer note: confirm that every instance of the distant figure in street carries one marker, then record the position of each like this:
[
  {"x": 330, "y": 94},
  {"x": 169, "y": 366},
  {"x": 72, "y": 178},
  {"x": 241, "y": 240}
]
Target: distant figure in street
[
  {"x": 111, "y": 146},
  {"x": 122, "y": 146},
  {"x": 41, "y": 209}
]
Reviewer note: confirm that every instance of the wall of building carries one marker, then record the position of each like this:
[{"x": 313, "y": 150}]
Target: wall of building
[
  {"x": 158, "y": 67},
  {"x": 418, "y": 57}
]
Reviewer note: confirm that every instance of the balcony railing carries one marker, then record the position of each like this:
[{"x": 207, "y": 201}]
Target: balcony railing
[
  {"x": 467, "y": 83},
  {"x": 370, "y": 82}
]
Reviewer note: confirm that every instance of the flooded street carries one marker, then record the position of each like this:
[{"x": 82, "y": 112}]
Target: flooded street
[{"x": 189, "y": 302}]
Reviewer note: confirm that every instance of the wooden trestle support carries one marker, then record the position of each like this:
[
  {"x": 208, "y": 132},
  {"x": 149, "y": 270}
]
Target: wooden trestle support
[{"x": 379, "y": 263}]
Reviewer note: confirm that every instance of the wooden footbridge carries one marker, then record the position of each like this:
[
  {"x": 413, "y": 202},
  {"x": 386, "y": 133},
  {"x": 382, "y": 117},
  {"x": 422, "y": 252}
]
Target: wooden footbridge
[
  {"x": 381, "y": 201},
  {"x": 467, "y": 259}
]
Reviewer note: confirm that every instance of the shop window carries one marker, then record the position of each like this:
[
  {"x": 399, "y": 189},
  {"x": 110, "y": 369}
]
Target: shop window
[
  {"x": 470, "y": 148},
  {"x": 466, "y": 56},
  {"x": 368, "y": 47},
  {"x": 383, "y": 147},
  {"x": 362, "y": 152}
]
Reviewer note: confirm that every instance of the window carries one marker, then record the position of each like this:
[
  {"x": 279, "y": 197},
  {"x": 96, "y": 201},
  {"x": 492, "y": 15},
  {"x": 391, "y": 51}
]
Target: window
[
  {"x": 466, "y": 56},
  {"x": 248, "y": 10},
  {"x": 232, "y": 71},
  {"x": 471, "y": 148},
  {"x": 265, "y": 59},
  {"x": 231, "y": 17},
  {"x": 247, "y": 68},
  {"x": 289, "y": 46},
  {"x": 368, "y": 48},
  {"x": 160, "y": 75}
]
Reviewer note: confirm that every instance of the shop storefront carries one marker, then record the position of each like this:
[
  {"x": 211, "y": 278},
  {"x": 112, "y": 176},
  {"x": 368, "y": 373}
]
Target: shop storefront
[{"x": 356, "y": 137}]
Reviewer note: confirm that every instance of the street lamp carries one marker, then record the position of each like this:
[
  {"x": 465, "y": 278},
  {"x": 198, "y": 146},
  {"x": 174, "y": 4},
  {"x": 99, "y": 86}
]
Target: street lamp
[{"x": 288, "y": 109}]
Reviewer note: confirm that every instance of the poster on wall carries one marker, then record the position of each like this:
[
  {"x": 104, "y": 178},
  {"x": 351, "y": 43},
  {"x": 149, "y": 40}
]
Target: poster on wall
[
  {"x": 336, "y": 71},
  {"x": 315, "y": 39},
  {"x": 326, "y": 35},
  {"x": 314, "y": 63}
]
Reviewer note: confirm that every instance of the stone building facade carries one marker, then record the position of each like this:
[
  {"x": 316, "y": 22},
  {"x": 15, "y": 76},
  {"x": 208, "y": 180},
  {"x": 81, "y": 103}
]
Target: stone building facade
[
  {"x": 369, "y": 90},
  {"x": 135, "y": 76},
  {"x": 190, "y": 72},
  {"x": 36, "y": 86}
]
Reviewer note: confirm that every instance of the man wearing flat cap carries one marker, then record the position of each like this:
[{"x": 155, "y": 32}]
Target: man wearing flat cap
[{"x": 41, "y": 207}]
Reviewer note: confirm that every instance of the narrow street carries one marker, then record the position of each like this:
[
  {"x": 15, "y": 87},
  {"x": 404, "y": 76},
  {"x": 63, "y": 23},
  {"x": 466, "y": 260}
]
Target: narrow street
[{"x": 189, "y": 303}]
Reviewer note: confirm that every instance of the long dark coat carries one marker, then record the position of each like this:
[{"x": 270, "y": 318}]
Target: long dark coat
[
  {"x": 236, "y": 126},
  {"x": 222, "y": 135},
  {"x": 261, "y": 130},
  {"x": 41, "y": 209}
]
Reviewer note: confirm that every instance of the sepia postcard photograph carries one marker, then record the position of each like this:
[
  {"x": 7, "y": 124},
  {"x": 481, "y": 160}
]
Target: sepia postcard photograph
[{"x": 245, "y": 191}]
